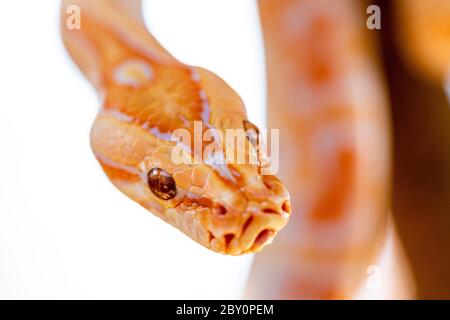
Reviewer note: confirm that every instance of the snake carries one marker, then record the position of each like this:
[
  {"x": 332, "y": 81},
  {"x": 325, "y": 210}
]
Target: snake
[
  {"x": 326, "y": 93},
  {"x": 146, "y": 96}
]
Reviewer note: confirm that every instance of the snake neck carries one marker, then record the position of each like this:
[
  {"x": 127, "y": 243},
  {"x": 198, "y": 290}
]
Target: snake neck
[{"x": 100, "y": 43}]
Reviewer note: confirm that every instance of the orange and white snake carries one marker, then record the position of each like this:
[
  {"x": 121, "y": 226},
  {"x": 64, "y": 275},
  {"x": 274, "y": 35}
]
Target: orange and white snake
[
  {"x": 146, "y": 95},
  {"x": 326, "y": 94}
]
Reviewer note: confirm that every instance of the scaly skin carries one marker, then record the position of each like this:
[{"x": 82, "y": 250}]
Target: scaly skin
[
  {"x": 315, "y": 55},
  {"x": 423, "y": 36},
  {"x": 326, "y": 91},
  {"x": 416, "y": 41},
  {"x": 146, "y": 95}
]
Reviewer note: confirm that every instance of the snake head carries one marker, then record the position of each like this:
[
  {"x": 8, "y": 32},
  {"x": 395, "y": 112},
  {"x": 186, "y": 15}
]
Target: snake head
[{"x": 229, "y": 208}]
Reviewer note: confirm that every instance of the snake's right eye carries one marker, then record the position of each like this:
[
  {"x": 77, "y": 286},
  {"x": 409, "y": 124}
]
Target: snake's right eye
[
  {"x": 252, "y": 133},
  {"x": 161, "y": 184},
  {"x": 254, "y": 136}
]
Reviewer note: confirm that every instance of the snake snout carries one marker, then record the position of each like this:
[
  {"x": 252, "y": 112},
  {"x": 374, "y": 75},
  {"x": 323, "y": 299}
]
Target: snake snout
[
  {"x": 268, "y": 215},
  {"x": 258, "y": 231},
  {"x": 249, "y": 219},
  {"x": 250, "y": 230}
]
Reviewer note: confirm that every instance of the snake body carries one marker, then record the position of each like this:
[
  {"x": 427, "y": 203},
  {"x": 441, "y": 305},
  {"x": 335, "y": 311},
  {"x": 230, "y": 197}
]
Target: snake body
[{"x": 329, "y": 98}]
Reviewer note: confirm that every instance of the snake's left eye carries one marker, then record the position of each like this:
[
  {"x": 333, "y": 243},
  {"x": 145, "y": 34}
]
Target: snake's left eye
[{"x": 161, "y": 183}]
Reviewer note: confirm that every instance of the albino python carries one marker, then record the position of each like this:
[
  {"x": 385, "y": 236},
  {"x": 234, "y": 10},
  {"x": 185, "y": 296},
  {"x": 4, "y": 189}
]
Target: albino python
[
  {"x": 326, "y": 94},
  {"x": 146, "y": 95}
]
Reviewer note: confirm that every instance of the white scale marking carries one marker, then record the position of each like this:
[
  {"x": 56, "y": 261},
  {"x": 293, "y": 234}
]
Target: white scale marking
[{"x": 133, "y": 72}]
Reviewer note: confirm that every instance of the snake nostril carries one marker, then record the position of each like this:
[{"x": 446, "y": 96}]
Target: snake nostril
[
  {"x": 270, "y": 211},
  {"x": 228, "y": 238},
  {"x": 210, "y": 237},
  {"x": 247, "y": 224},
  {"x": 219, "y": 210},
  {"x": 270, "y": 182},
  {"x": 267, "y": 184},
  {"x": 264, "y": 236},
  {"x": 286, "y": 206}
]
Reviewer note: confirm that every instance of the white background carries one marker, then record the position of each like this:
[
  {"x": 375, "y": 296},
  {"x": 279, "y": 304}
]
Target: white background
[{"x": 65, "y": 231}]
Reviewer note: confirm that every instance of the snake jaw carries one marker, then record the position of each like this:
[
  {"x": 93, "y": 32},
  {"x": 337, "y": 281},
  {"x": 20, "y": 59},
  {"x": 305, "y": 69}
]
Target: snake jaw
[
  {"x": 249, "y": 234},
  {"x": 228, "y": 228},
  {"x": 255, "y": 231}
]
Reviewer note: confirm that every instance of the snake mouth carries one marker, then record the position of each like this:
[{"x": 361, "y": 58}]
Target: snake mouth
[
  {"x": 233, "y": 229},
  {"x": 258, "y": 230},
  {"x": 225, "y": 232}
]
